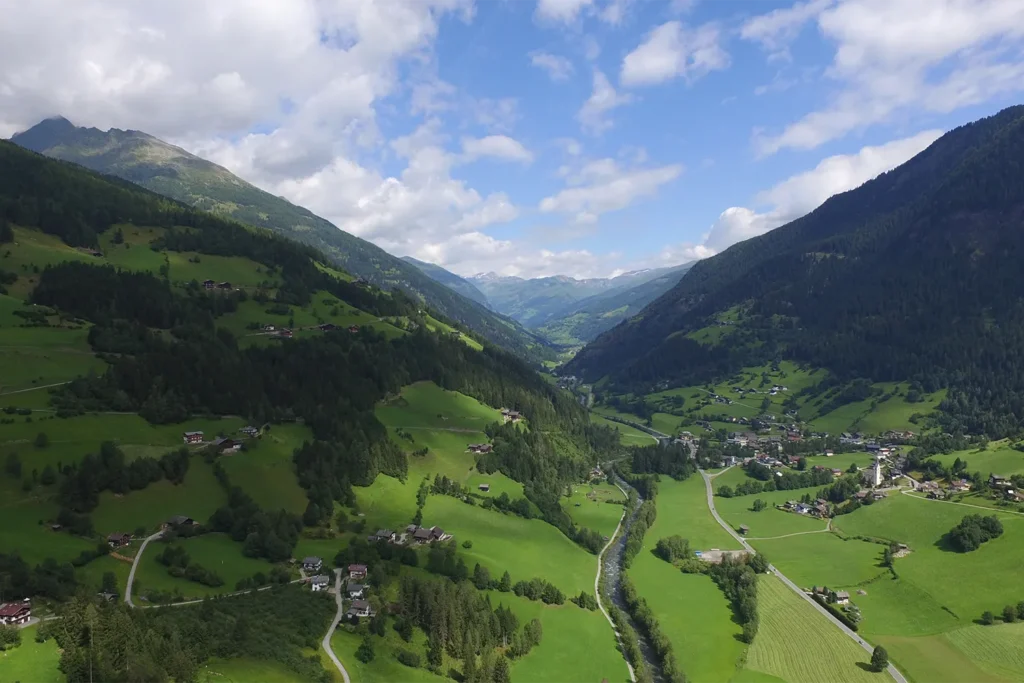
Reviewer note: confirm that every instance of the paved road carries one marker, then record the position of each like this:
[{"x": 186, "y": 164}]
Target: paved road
[
  {"x": 867, "y": 647},
  {"x": 597, "y": 581},
  {"x": 966, "y": 505},
  {"x": 135, "y": 564},
  {"x": 326, "y": 644}
]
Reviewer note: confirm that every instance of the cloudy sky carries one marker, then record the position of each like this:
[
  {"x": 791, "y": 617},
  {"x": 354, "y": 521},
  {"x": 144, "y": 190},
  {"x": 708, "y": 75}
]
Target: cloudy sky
[{"x": 527, "y": 137}]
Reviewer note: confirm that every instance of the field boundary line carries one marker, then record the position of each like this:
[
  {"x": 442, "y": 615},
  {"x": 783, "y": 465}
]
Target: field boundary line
[
  {"x": 597, "y": 582},
  {"x": 785, "y": 580}
]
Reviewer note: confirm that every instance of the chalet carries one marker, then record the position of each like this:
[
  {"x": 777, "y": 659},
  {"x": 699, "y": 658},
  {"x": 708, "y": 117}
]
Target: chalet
[
  {"x": 208, "y": 284},
  {"x": 510, "y": 415},
  {"x": 269, "y": 328},
  {"x": 480, "y": 448},
  {"x": 839, "y": 597},
  {"x": 821, "y": 510},
  {"x": 327, "y": 327},
  {"x": 224, "y": 285},
  {"x": 312, "y": 563},
  {"x": 320, "y": 583},
  {"x": 359, "y": 608},
  {"x": 353, "y": 328},
  {"x": 836, "y": 472},
  {"x": 485, "y": 487},
  {"x": 384, "y": 536},
  {"x": 227, "y": 445},
  {"x": 438, "y": 534},
  {"x": 249, "y": 431},
  {"x": 997, "y": 482},
  {"x": 422, "y": 535},
  {"x": 15, "y": 613},
  {"x": 1014, "y": 495},
  {"x": 744, "y": 529},
  {"x": 356, "y": 572},
  {"x": 829, "y": 454},
  {"x": 180, "y": 520},
  {"x": 790, "y": 505},
  {"x": 192, "y": 437},
  {"x": 355, "y": 590},
  {"x": 118, "y": 540}
]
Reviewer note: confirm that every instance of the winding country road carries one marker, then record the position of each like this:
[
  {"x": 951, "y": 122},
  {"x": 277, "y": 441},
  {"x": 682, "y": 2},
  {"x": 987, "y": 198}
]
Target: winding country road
[
  {"x": 135, "y": 565},
  {"x": 796, "y": 589},
  {"x": 326, "y": 644}
]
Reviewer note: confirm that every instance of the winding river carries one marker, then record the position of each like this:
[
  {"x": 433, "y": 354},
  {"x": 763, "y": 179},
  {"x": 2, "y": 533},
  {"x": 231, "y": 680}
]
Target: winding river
[{"x": 612, "y": 571}]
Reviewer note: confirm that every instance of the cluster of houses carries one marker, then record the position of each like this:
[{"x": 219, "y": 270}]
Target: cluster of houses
[
  {"x": 210, "y": 284},
  {"x": 15, "y": 613},
  {"x": 413, "y": 534},
  {"x": 819, "y": 508},
  {"x": 222, "y": 444},
  {"x": 1006, "y": 487},
  {"x": 510, "y": 415},
  {"x": 355, "y": 590},
  {"x": 479, "y": 448}
]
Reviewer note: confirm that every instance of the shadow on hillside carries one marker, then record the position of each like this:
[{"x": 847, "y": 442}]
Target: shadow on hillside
[{"x": 945, "y": 545}]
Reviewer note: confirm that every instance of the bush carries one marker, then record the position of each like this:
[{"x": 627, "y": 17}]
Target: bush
[
  {"x": 973, "y": 530},
  {"x": 410, "y": 659},
  {"x": 672, "y": 548}
]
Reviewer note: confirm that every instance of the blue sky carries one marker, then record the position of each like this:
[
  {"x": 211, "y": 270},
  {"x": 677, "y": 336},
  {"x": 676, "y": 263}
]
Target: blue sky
[{"x": 528, "y": 137}]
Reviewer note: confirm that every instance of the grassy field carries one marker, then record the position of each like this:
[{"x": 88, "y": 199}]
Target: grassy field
[
  {"x": 811, "y": 559},
  {"x": 769, "y": 522},
  {"x": 629, "y": 436},
  {"x": 23, "y": 530},
  {"x": 526, "y": 548},
  {"x": 265, "y": 471},
  {"x": 31, "y": 662},
  {"x": 218, "y": 670},
  {"x": 798, "y": 644},
  {"x": 999, "y": 458},
  {"x": 588, "y": 507},
  {"x": 198, "y": 497},
  {"x": 385, "y": 667},
  {"x": 684, "y": 503},
  {"x": 216, "y": 552},
  {"x": 426, "y": 405}
]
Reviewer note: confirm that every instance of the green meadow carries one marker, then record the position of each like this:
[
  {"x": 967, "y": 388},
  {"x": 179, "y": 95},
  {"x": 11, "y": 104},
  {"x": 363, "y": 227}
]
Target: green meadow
[
  {"x": 811, "y": 559},
  {"x": 770, "y": 522},
  {"x": 589, "y": 507},
  {"x": 797, "y": 644},
  {"x": 216, "y": 552},
  {"x": 426, "y": 405},
  {"x": 31, "y": 662},
  {"x": 685, "y": 502},
  {"x": 265, "y": 471},
  {"x": 629, "y": 436},
  {"x": 218, "y": 670},
  {"x": 526, "y": 548},
  {"x": 998, "y": 458}
]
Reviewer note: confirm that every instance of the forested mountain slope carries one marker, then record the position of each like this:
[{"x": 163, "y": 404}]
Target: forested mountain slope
[
  {"x": 173, "y": 172},
  {"x": 450, "y": 280},
  {"x": 914, "y": 275}
]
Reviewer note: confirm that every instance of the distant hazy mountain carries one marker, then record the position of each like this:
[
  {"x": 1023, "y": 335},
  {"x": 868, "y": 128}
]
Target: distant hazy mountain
[
  {"x": 171, "y": 171},
  {"x": 539, "y": 301},
  {"x": 596, "y": 314},
  {"x": 450, "y": 279}
]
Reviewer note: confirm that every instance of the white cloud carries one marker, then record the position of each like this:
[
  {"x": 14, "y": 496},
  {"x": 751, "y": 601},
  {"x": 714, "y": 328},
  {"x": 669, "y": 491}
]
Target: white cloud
[
  {"x": 672, "y": 50},
  {"x": 799, "y": 195},
  {"x": 558, "y": 68},
  {"x": 496, "y": 146},
  {"x": 615, "y": 11},
  {"x": 603, "y": 99},
  {"x": 778, "y": 28},
  {"x": 911, "y": 56},
  {"x": 561, "y": 10},
  {"x": 602, "y": 186}
]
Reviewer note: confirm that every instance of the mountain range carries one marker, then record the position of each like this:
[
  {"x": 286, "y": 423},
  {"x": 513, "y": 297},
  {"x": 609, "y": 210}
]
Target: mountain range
[
  {"x": 171, "y": 171},
  {"x": 915, "y": 276},
  {"x": 564, "y": 310}
]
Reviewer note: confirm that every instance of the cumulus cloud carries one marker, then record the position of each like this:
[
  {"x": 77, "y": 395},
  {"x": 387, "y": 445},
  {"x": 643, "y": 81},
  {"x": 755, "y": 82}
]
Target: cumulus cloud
[
  {"x": 561, "y": 10},
  {"x": 558, "y": 68},
  {"x": 496, "y": 146},
  {"x": 799, "y": 195},
  {"x": 593, "y": 115},
  {"x": 602, "y": 186},
  {"x": 672, "y": 50},
  {"x": 908, "y": 56}
]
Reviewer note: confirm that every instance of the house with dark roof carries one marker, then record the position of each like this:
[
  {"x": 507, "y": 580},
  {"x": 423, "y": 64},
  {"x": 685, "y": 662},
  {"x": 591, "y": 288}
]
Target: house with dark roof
[
  {"x": 180, "y": 520},
  {"x": 312, "y": 563},
  {"x": 383, "y": 536},
  {"x": 422, "y": 535},
  {"x": 319, "y": 583},
  {"x": 355, "y": 590},
  {"x": 357, "y": 572},
  {"x": 118, "y": 540},
  {"x": 359, "y": 608},
  {"x": 227, "y": 445},
  {"x": 480, "y": 448},
  {"x": 249, "y": 431},
  {"x": 208, "y": 284},
  {"x": 192, "y": 437}
]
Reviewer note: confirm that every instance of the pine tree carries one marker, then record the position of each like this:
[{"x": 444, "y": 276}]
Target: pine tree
[
  {"x": 501, "y": 671},
  {"x": 505, "y": 585}
]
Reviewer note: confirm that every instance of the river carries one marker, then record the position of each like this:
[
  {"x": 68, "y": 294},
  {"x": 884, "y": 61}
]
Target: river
[{"x": 613, "y": 572}]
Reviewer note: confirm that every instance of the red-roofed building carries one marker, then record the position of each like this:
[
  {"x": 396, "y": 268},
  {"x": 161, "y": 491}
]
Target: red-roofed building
[{"x": 15, "y": 613}]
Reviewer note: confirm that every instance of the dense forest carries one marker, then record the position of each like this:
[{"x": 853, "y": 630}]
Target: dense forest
[{"x": 913, "y": 276}]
